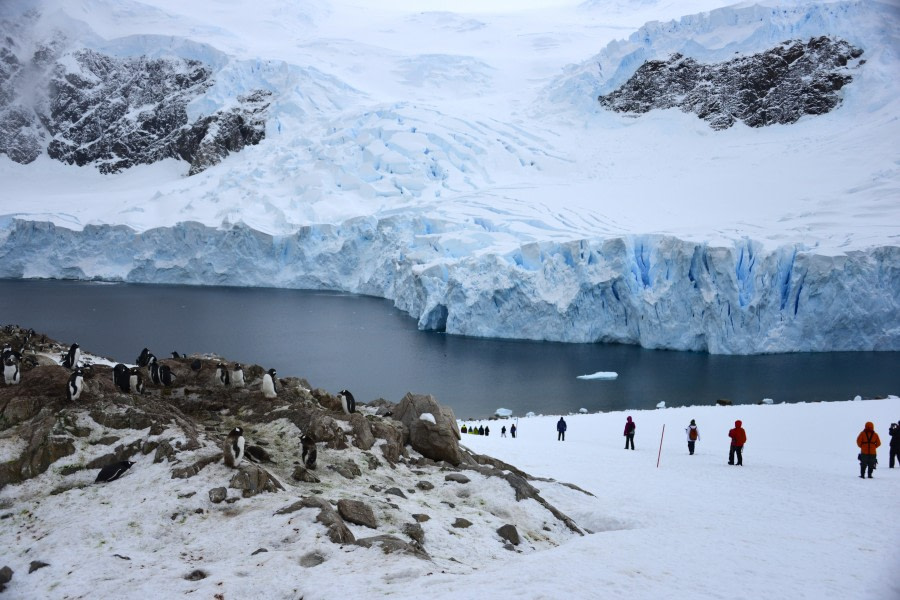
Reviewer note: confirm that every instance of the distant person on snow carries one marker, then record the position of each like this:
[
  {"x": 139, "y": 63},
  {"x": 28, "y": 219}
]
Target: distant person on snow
[
  {"x": 868, "y": 442},
  {"x": 463, "y": 429},
  {"x": 503, "y": 431},
  {"x": 481, "y": 430},
  {"x": 561, "y": 430},
  {"x": 629, "y": 433},
  {"x": 693, "y": 434},
  {"x": 512, "y": 430},
  {"x": 738, "y": 439},
  {"x": 894, "y": 432},
  {"x": 487, "y": 431}
]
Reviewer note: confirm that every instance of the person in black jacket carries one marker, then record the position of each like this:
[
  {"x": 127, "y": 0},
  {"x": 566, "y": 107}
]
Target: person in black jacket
[
  {"x": 894, "y": 432},
  {"x": 629, "y": 433},
  {"x": 561, "y": 430}
]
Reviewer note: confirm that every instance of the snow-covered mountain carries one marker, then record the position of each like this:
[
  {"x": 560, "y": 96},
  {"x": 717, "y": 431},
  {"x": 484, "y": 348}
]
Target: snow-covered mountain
[{"x": 742, "y": 197}]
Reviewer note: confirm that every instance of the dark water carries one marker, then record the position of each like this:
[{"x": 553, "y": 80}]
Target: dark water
[{"x": 364, "y": 344}]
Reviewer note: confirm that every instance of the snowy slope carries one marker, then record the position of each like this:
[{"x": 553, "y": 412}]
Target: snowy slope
[{"x": 459, "y": 164}]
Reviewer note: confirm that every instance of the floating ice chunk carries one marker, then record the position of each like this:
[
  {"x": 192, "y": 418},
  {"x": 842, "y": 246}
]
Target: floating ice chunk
[
  {"x": 530, "y": 414},
  {"x": 661, "y": 404},
  {"x": 582, "y": 411},
  {"x": 503, "y": 412},
  {"x": 428, "y": 417},
  {"x": 768, "y": 401},
  {"x": 600, "y": 375}
]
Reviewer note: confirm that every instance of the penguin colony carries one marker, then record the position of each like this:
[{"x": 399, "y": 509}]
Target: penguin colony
[{"x": 129, "y": 380}]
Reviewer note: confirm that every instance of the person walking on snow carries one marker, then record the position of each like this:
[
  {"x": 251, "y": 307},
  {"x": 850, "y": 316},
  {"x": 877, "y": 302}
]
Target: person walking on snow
[
  {"x": 629, "y": 433},
  {"x": 894, "y": 432},
  {"x": 738, "y": 439},
  {"x": 561, "y": 430},
  {"x": 503, "y": 431},
  {"x": 512, "y": 430},
  {"x": 693, "y": 434},
  {"x": 868, "y": 442}
]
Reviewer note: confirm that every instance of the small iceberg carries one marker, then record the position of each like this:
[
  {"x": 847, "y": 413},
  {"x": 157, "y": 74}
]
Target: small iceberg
[
  {"x": 661, "y": 404},
  {"x": 600, "y": 375},
  {"x": 768, "y": 401},
  {"x": 503, "y": 412},
  {"x": 583, "y": 411},
  {"x": 529, "y": 414}
]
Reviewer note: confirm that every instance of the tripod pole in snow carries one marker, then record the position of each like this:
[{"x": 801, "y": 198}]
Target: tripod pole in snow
[{"x": 662, "y": 435}]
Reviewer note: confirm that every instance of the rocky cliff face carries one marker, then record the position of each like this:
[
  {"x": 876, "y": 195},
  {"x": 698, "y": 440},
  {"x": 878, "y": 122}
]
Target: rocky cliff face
[
  {"x": 88, "y": 108},
  {"x": 778, "y": 86}
]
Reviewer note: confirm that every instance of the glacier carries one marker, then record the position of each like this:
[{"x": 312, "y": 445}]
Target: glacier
[{"x": 406, "y": 157}]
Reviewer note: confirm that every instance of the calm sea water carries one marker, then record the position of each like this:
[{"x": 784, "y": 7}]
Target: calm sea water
[{"x": 364, "y": 344}]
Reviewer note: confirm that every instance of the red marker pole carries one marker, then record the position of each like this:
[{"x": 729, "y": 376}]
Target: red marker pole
[{"x": 658, "y": 456}]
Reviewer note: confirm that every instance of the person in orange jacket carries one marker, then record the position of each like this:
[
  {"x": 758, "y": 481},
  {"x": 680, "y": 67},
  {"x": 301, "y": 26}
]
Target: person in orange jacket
[
  {"x": 738, "y": 439},
  {"x": 868, "y": 442}
]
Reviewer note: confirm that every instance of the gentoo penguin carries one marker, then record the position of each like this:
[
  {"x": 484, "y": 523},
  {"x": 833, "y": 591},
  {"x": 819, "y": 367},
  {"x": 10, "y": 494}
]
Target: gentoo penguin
[
  {"x": 165, "y": 375},
  {"x": 76, "y": 384},
  {"x": 72, "y": 357},
  {"x": 113, "y": 471},
  {"x": 144, "y": 358},
  {"x": 175, "y": 354},
  {"x": 135, "y": 381},
  {"x": 121, "y": 377},
  {"x": 222, "y": 375},
  {"x": 237, "y": 375},
  {"x": 348, "y": 403},
  {"x": 153, "y": 369},
  {"x": 11, "y": 372},
  {"x": 309, "y": 451},
  {"x": 268, "y": 384},
  {"x": 233, "y": 448}
]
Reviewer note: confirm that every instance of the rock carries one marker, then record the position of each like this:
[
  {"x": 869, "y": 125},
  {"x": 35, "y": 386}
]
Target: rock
[
  {"x": 348, "y": 469},
  {"x": 461, "y": 523},
  {"x": 425, "y": 485},
  {"x": 357, "y": 512},
  {"x": 257, "y": 454},
  {"x": 457, "y": 477},
  {"x": 778, "y": 86},
  {"x": 217, "y": 495},
  {"x": 394, "y": 433},
  {"x": 437, "y": 441},
  {"x": 510, "y": 534},
  {"x": 362, "y": 431},
  {"x": 258, "y": 551},
  {"x": 421, "y": 518},
  {"x": 192, "y": 469},
  {"x": 196, "y": 575},
  {"x": 37, "y": 564},
  {"x": 301, "y": 473},
  {"x": 5, "y": 577},
  {"x": 253, "y": 480},
  {"x": 311, "y": 559},
  {"x": 395, "y": 492},
  {"x": 390, "y": 544},
  {"x": 415, "y": 532}
]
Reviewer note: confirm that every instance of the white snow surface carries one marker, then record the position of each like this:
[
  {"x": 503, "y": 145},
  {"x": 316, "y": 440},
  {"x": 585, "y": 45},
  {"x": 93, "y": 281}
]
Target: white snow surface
[
  {"x": 795, "y": 521},
  {"x": 470, "y": 145}
]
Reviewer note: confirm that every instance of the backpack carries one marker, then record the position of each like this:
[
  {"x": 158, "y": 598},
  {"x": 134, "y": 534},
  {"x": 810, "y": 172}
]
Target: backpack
[{"x": 692, "y": 434}]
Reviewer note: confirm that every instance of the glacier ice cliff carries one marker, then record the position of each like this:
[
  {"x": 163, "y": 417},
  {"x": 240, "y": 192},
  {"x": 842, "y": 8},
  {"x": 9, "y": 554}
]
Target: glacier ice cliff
[{"x": 655, "y": 291}]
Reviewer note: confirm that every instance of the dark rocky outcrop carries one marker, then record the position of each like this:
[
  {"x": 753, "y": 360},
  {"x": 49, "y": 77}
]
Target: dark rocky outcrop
[
  {"x": 90, "y": 108},
  {"x": 780, "y": 85},
  {"x": 438, "y": 440}
]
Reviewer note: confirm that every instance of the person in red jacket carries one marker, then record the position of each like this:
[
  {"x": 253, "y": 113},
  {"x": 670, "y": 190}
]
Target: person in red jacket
[
  {"x": 738, "y": 439},
  {"x": 868, "y": 442}
]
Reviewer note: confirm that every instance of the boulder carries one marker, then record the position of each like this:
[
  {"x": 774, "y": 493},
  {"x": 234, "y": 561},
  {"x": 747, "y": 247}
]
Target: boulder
[
  {"x": 437, "y": 441},
  {"x": 217, "y": 495},
  {"x": 357, "y": 512},
  {"x": 253, "y": 479},
  {"x": 510, "y": 534},
  {"x": 362, "y": 431}
]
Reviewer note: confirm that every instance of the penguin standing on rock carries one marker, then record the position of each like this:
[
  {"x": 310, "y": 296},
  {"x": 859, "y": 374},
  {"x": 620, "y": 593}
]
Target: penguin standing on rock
[
  {"x": 237, "y": 375},
  {"x": 222, "y": 375},
  {"x": 122, "y": 377},
  {"x": 153, "y": 368},
  {"x": 166, "y": 376},
  {"x": 268, "y": 384},
  {"x": 144, "y": 358},
  {"x": 309, "y": 451},
  {"x": 73, "y": 356},
  {"x": 76, "y": 384},
  {"x": 348, "y": 403},
  {"x": 113, "y": 471},
  {"x": 233, "y": 448},
  {"x": 10, "y": 359},
  {"x": 135, "y": 381}
]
